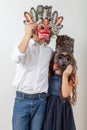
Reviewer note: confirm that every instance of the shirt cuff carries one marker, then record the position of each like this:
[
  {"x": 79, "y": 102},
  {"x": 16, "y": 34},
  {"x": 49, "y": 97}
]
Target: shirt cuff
[{"x": 18, "y": 56}]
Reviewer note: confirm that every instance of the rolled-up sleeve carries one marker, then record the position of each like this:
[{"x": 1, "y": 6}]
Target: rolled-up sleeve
[{"x": 17, "y": 56}]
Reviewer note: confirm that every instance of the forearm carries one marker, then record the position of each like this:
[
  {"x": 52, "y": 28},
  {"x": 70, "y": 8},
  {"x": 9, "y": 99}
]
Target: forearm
[
  {"x": 25, "y": 41},
  {"x": 24, "y": 44},
  {"x": 66, "y": 88},
  {"x": 20, "y": 51}
]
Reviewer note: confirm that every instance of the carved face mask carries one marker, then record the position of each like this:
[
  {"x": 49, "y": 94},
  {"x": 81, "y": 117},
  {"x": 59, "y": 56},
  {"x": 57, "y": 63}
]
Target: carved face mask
[
  {"x": 43, "y": 31},
  {"x": 51, "y": 21},
  {"x": 62, "y": 61}
]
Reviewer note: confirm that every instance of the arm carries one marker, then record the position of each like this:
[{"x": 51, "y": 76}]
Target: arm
[
  {"x": 68, "y": 85},
  {"x": 28, "y": 33},
  {"x": 20, "y": 51}
]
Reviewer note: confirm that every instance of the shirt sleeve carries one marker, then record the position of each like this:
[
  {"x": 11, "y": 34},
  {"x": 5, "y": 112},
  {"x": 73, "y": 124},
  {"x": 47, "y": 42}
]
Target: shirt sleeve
[{"x": 17, "y": 56}]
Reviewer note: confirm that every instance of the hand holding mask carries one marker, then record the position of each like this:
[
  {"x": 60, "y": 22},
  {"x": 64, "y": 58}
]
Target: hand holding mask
[
  {"x": 48, "y": 23},
  {"x": 64, "y": 52}
]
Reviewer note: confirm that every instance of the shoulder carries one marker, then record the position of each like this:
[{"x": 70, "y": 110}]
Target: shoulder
[
  {"x": 50, "y": 50},
  {"x": 48, "y": 47}
]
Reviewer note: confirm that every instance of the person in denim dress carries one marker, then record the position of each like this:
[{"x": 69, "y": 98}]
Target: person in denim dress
[{"x": 62, "y": 90}]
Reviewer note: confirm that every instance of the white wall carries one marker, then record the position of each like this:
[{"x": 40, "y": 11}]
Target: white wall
[{"x": 11, "y": 29}]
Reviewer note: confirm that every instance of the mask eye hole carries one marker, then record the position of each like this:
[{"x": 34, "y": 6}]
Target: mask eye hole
[
  {"x": 68, "y": 58},
  {"x": 60, "y": 57},
  {"x": 42, "y": 27},
  {"x": 49, "y": 28},
  {"x": 63, "y": 43},
  {"x": 68, "y": 43}
]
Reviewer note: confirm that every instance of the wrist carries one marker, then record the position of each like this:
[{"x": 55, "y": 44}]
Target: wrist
[
  {"x": 27, "y": 37},
  {"x": 65, "y": 74}
]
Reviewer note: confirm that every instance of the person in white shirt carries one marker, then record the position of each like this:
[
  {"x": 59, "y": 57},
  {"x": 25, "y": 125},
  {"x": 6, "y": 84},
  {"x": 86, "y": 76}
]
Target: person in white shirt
[{"x": 32, "y": 57}]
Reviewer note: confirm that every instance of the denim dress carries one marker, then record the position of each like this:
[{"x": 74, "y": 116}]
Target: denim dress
[{"x": 59, "y": 114}]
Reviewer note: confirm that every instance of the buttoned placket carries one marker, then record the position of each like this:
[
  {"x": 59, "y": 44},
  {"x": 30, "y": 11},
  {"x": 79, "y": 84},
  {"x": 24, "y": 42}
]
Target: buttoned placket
[{"x": 38, "y": 65}]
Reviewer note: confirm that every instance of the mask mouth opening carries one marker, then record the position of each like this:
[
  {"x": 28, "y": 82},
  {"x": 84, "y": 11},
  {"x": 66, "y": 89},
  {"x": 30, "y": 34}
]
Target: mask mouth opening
[{"x": 63, "y": 67}]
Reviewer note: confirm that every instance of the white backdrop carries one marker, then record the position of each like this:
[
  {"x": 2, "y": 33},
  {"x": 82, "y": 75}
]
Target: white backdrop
[{"x": 12, "y": 29}]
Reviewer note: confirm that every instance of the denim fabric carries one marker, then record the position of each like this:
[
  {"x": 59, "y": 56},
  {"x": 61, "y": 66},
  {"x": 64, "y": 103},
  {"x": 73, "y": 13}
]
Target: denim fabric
[
  {"x": 55, "y": 84},
  {"x": 59, "y": 115},
  {"x": 28, "y": 114}
]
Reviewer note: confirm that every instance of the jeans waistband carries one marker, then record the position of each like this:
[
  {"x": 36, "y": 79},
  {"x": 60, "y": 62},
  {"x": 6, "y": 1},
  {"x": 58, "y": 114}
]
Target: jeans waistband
[{"x": 31, "y": 96}]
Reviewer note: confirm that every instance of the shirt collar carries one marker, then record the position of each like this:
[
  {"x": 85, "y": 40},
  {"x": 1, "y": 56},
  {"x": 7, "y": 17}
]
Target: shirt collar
[{"x": 32, "y": 42}]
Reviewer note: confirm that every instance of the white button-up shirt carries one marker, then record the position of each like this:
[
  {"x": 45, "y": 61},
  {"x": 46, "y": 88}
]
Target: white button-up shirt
[{"x": 32, "y": 68}]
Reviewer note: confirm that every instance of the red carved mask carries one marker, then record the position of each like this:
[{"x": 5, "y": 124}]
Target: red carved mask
[{"x": 43, "y": 30}]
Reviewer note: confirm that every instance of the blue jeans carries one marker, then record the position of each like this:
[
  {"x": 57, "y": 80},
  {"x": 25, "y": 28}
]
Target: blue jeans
[{"x": 28, "y": 114}]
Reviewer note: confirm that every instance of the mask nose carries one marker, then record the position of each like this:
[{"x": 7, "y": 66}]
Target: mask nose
[
  {"x": 46, "y": 29},
  {"x": 63, "y": 60}
]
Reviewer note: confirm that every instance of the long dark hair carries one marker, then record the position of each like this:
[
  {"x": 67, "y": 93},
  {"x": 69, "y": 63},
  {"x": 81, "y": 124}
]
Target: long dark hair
[{"x": 73, "y": 96}]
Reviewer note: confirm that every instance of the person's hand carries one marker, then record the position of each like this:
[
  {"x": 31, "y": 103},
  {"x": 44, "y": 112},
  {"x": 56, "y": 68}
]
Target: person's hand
[
  {"x": 29, "y": 27},
  {"x": 68, "y": 70}
]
